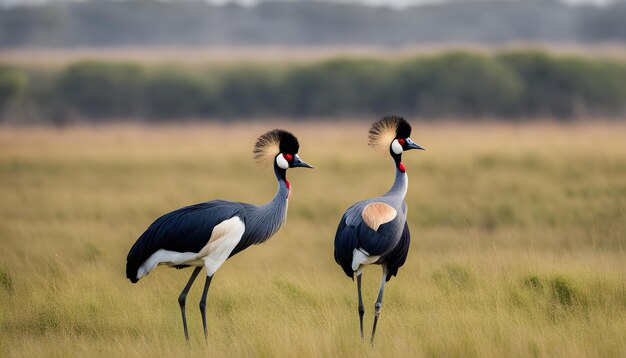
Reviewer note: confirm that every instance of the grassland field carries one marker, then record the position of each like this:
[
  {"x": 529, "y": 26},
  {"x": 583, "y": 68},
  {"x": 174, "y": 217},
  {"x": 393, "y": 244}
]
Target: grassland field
[{"x": 518, "y": 243}]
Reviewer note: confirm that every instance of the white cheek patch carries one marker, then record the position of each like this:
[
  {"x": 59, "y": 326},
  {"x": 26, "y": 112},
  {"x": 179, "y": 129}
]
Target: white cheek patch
[
  {"x": 281, "y": 161},
  {"x": 396, "y": 147}
]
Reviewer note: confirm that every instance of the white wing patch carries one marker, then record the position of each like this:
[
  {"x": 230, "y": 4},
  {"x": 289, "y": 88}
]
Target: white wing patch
[
  {"x": 378, "y": 213},
  {"x": 167, "y": 257},
  {"x": 224, "y": 237},
  {"x": 220, "y": 231},
  {"x": 361, "y": 257}
]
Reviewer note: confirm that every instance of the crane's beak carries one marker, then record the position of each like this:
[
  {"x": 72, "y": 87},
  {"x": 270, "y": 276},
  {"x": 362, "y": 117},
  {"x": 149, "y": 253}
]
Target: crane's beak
[
  {"x": 410, "y": 144},
  {"x": 297, "y": 162}
]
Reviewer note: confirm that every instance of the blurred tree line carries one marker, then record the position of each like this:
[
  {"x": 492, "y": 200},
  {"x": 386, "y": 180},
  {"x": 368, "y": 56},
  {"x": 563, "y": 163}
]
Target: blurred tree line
[
  {"x": 509, "y": 85},
  {"x": 111, "y": 23}
]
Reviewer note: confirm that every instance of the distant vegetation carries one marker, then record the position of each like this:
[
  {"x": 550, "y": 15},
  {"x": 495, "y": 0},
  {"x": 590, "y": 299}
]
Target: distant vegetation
[
  {"x": 11, "y": 84},
  {"x": 467, "y": 85},
  {"x": 305, "y": 23}
]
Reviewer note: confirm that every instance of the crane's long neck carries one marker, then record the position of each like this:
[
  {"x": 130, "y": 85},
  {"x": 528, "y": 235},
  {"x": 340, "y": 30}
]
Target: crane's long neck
[
  {"x": 263, "y": 221},
  {"x": 270, "y": 216},
  {"x": 284, "y": 188},
  {"x": 401, "y": 182}
]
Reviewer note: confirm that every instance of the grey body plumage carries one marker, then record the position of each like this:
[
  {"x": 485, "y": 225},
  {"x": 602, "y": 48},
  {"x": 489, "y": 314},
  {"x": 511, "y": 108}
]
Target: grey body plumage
[{"x": 382, "y": 241}]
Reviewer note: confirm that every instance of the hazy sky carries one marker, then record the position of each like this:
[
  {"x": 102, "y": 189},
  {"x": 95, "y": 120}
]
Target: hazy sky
[
  {"x": 414, "y": 2},
  {"x": 394, "y": 3},
  {"x": 398, "y": 3}
]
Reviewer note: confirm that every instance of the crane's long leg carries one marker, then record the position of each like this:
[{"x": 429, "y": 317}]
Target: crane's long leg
[
  {"x": 379, "y": 302},
  {"x": 207, "y": 283},
  {"x": 183, "y": 297},
  {"x": 361, "y": 308}
]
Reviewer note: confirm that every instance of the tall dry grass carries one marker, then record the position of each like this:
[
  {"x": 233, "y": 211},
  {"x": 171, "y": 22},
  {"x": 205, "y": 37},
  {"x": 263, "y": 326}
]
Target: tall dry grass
[{"x": 518, "y": 243}]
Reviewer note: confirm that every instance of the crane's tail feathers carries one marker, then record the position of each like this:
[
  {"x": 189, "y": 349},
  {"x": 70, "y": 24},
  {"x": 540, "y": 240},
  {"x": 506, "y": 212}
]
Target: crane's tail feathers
[
  {"x": 133, "y": 261},
  {"x": 345, "y": 243},
  {"x": 132, "y": 278},
  {"x": 131, "y": 274}
]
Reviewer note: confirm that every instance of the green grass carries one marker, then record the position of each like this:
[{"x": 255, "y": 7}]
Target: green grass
[{"x": 518, "y": 243}]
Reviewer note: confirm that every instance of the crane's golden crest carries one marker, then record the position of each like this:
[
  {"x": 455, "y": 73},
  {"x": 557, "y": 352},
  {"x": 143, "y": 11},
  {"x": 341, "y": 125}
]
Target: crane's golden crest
[
  {"x": 266, "y": 148},
  {"x": 273, "y": 142},
  {"x": 384, "y": 131}
]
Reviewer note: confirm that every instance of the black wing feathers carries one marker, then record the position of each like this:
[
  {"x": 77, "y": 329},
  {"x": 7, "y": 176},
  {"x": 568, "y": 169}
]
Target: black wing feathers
[
  {"x": 346, "y": 240},
  {"x": 379, "y": 242},
  {"x": 396, "y": 258},
  {"x": 184, "y": 230},
  {"x": 391, "y": 242}
]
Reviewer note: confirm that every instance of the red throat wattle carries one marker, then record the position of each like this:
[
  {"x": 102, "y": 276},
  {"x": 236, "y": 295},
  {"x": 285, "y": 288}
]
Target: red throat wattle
[
  {"x": 401, "y": 167},
  {"x": 287, "y": 184}
]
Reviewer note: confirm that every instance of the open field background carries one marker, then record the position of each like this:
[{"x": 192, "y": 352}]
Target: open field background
[{"x": 519, "y": 243}]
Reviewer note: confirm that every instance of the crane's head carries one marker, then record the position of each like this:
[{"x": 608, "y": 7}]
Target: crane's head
[
  {"x": 280, "y": 148},
  {"x": 392, "y": 134}
]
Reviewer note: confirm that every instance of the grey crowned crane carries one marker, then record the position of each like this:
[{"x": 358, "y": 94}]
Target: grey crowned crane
[
  {"x": 208, "y": 233},
  {"x": 374, "y": 231}
]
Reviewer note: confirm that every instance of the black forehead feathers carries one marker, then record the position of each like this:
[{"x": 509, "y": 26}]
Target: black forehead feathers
[
  {"x": 288, "y": 142},
  {"x": 404, "y": 128},
  {"x": 269, "y": 144}
]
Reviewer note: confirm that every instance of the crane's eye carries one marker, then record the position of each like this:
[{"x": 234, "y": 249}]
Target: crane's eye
[
  {"x": 288, "y": 157},
  {"x": 402, "y": 141}
]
